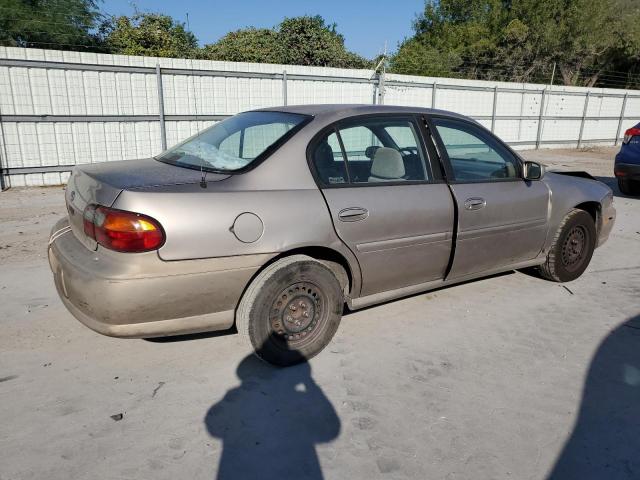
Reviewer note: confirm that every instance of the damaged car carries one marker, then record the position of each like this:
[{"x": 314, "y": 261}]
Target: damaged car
[{"x": 273, "y": 220}]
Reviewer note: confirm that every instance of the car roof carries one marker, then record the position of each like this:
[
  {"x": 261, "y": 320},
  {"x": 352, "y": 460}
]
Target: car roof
[{"x": 339, "y": 111}]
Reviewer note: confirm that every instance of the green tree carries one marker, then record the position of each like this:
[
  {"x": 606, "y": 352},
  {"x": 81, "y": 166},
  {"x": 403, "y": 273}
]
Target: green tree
[
  {"x": 580, "y": 36},
  {"x": 452, "y": 37},
  {"x": 60, "y": 24},
  {"x": 149, "y": 34},
  {"x": 308, "y": 40},
  {"x": 521, "y": 40},
  {"x": 258, "y": 45},
  {"x": 625, "y": 65},
  {"x": 305, "y": 40},
  {"x": 417, "y": 58}
]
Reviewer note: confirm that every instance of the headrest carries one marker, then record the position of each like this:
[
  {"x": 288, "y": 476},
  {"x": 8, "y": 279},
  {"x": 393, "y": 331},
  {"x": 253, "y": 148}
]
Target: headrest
[{"x": 387, "y": 164}]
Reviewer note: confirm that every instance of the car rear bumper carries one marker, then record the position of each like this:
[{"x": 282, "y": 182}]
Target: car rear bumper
[
  {"x": 140, "y": 295},
  {"x": 627, "y": 171}
]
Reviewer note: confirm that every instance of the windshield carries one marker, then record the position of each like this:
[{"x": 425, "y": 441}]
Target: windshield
[{"x": 233, "y": 143}]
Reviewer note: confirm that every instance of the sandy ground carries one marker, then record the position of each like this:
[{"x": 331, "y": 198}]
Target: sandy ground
[{"x": 507, "y": 377}]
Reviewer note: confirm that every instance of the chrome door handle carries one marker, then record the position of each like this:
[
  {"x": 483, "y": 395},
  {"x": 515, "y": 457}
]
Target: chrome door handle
[
  {"x": 475, "y": 203},
  {"x": 353, "y": 214}
]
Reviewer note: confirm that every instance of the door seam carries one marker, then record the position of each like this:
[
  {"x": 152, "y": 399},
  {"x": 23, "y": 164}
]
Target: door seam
[{"x": 454, "y": 234}]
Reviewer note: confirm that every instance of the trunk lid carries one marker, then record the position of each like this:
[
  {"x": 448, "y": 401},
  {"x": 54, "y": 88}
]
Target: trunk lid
[{"x": 102, "y": 183}]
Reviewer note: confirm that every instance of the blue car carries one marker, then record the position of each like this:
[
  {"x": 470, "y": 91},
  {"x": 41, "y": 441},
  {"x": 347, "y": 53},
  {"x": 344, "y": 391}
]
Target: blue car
[{"x": 627, "y": 165}]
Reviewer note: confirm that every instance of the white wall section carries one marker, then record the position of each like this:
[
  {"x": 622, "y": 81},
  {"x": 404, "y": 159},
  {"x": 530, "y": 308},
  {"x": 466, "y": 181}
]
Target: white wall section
[{"x": 59, "y": 109}]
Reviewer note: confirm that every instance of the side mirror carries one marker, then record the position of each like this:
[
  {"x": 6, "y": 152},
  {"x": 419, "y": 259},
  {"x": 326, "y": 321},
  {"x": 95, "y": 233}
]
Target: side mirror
[{"x": 532, "y": 171}]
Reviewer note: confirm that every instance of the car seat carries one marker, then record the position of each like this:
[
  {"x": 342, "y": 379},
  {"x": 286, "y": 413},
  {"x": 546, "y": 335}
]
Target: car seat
[{"x": 387, "y": 166}]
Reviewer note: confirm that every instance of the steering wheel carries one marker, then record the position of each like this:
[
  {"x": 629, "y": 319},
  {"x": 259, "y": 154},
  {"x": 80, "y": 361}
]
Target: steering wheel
[{"x": 405, "y": 151}]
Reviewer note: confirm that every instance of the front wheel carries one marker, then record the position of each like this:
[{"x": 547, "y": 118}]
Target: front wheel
[
  {"x": 572, "y": 248},
  {"x": 291, "y": 310}
]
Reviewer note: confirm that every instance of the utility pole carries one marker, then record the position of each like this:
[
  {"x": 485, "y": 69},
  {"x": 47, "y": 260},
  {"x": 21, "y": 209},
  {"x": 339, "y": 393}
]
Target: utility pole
[
  {"x": 381, "y": 77},
  {"x": 379, "y": 72}
]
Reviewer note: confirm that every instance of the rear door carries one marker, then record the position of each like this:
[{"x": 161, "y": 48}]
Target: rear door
[
  {"x": 386, "y": 203},
  {"x": 502, "y": 219}
]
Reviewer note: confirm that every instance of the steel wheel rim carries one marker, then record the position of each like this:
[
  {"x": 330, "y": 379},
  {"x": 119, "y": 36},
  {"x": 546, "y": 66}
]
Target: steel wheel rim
[
  {"x": 298, "y": 314},
  {"x": 574, "y": 247}
]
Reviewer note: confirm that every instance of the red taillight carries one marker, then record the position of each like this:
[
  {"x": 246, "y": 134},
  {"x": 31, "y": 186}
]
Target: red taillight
[
  {"x": 629, "y": 134},
  {"x": 121, "y": 230}
]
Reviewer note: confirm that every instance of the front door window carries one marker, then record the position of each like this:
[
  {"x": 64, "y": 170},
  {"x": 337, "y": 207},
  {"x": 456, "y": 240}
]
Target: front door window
[{"x": 475, "y": 156}]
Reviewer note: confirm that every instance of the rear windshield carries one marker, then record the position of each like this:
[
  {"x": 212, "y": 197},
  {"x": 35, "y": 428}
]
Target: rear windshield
[{"x": 234, "y": 143}]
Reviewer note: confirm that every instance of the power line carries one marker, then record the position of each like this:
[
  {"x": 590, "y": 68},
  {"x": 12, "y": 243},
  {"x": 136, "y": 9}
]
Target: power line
[
  {"x": 48, "y": 13},
  {"x": 586, "y": 70},
  {"x": 66, "y": 24},
  {"x": 97, "y": 46},
  {"x": 511, "y": 72}
]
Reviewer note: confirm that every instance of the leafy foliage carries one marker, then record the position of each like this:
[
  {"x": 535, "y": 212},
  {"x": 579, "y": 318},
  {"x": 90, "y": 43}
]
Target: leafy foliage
[
  {"x": 520, "y": 40},
  {"x": 417, "y": 58},
  {"x": 591, "y": 42},
  {"x": 305, "y": 40},
  {"x": 63, "y": 24},
  {"x": 248, "y": 45},
  {"x": 309, "y": 41},
  {"x": 150, "y": 34}
]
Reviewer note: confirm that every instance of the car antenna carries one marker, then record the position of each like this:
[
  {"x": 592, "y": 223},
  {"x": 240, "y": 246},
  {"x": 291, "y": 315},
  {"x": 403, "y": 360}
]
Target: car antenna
[{"x": 203, "y": 175}]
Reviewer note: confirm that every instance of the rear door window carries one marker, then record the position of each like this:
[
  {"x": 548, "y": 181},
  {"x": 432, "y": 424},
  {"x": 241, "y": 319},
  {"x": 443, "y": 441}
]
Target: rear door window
[
  {"x": 374, "y": 150},
  {"x": 329, "y": 162}
]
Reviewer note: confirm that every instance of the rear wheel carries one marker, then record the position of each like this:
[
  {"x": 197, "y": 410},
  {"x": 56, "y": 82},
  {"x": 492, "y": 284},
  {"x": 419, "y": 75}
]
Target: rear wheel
[
  {"x": 572, "y": 248},
  {"x": 291, "y": 310}
]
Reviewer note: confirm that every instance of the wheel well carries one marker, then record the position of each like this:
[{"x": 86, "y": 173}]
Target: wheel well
[
  {"x": 335, "y": 261},
  {"x": 593, "y": 209},
  {"x": 330, "y": 258}
]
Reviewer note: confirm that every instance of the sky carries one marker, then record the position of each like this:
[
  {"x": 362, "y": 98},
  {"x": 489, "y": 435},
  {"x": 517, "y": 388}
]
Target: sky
[{"x": 365, "y": 24}]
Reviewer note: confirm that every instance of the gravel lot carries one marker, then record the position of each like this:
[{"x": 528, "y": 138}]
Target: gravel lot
[{"x": 507, "y": 377}]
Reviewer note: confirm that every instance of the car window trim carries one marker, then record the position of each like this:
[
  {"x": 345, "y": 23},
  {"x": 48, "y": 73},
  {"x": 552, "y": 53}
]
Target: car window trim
[
  {"x": 335, "y": 126},
  {"x": 343, "y": 152},
  {"x": 451, "y": 178},
  {"x": 438, "y": 164},
  {"x": 270, "y": 150}
]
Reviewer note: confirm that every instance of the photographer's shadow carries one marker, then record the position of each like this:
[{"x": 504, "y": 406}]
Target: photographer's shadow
[
  {"x": 605, "y": 443},
  {"x": 270, "y": 424}
]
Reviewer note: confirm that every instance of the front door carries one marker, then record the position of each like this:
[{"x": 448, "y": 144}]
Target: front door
[
  {"x": 385, "y": 202},
  {"x": 502, "y": 219}
]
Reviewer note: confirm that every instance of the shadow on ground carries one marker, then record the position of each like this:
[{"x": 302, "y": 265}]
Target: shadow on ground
[
  {"x": 271, "y": 423},
  {"x": 605, "y": 442},
  {"x": 193, "y": 336}
]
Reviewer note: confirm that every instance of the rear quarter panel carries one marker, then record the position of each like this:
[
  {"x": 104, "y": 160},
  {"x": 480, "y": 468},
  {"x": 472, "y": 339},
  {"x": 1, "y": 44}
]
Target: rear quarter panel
[{"x": 199, "y": 222}]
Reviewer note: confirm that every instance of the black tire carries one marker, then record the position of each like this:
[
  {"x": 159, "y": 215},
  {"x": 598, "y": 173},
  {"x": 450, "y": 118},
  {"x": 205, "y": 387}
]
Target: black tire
[
  {"x": 623, "y": 185},
  {"x": 572, "y": 248},
  {"x": 291, "y": 310},
  {"x": 629, "y": 187}
]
